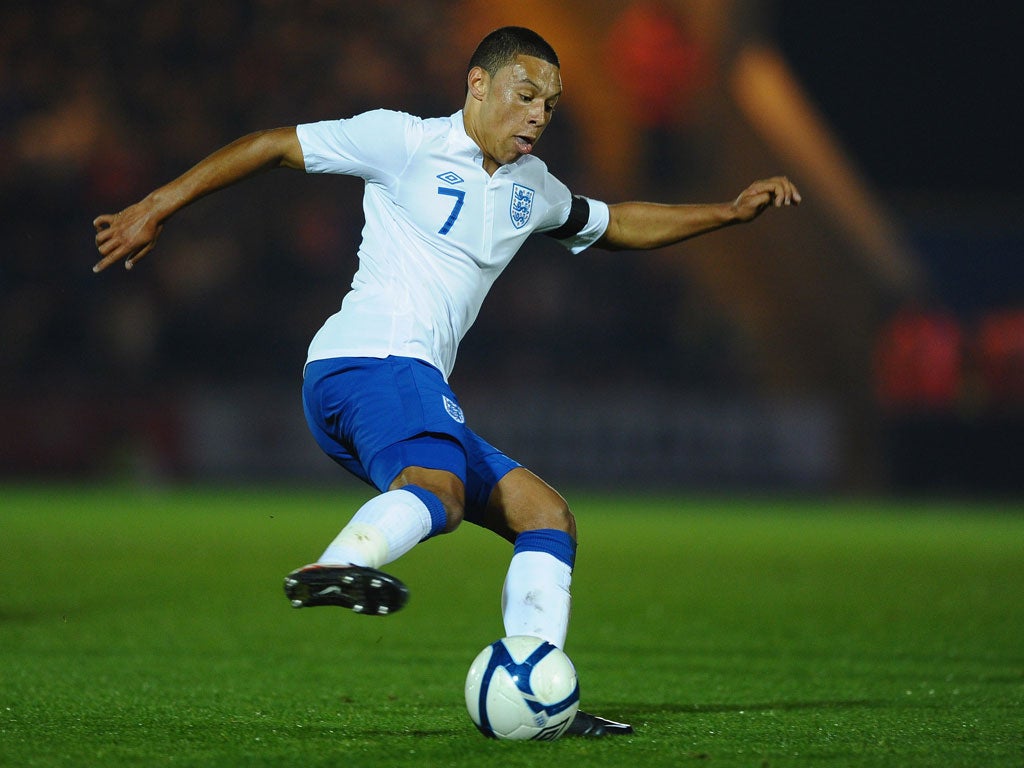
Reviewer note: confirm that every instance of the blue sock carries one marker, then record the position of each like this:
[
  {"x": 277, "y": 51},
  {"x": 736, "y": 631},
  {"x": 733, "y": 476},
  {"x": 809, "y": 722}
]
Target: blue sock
[
  {"x": 535, "y": 599},
  {"x": 438, "y": 518},
  {"x": 554, "y": 542}
]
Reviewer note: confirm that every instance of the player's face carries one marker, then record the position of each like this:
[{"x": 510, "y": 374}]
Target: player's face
[{"x": 516, "y": 106}]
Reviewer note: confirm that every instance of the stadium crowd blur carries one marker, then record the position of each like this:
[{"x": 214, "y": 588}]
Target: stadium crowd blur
[
  {"x": 240, "y": 283},
  {"x": 89, "y": 126}
]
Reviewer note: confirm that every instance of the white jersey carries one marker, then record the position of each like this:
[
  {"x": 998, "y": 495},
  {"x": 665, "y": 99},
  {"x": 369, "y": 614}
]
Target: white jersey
[{"x": 439, "y": 230}]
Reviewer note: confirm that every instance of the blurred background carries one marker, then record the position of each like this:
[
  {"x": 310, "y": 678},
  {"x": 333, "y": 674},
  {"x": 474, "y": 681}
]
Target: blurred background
[{"x": 872, "y": 341}]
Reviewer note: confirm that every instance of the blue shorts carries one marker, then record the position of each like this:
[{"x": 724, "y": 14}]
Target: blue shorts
[{"x": 375, "y": 417}]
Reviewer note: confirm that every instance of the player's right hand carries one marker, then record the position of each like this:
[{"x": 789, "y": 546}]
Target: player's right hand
[{"x": 128, "y": 235}]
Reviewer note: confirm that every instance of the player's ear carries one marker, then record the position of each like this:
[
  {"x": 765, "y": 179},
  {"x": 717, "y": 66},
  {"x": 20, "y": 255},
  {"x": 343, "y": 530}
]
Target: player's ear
[{"x": 478, "y": 82}]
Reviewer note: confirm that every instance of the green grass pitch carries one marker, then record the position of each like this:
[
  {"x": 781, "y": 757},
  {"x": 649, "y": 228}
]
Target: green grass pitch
[{"x": 149, "y": 627}]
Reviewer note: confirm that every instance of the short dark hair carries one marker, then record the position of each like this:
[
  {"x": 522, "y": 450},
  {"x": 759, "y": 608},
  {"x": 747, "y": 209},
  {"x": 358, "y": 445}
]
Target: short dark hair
[{"x": 500, "y": 48}]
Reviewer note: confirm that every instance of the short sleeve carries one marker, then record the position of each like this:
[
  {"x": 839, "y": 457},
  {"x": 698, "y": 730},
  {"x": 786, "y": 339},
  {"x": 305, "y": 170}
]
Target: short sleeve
[{"x": 373, "y": 145}]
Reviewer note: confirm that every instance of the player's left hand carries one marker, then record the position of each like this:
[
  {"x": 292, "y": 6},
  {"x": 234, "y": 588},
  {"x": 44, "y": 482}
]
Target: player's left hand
[{"x": 766, "y": 193}]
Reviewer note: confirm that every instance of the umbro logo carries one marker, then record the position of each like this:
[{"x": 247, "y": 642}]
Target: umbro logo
[{"x": 450, "y": 177}]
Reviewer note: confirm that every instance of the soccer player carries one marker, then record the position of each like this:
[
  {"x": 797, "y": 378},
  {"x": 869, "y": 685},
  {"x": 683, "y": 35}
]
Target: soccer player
[{"x": 448, "y": 201}]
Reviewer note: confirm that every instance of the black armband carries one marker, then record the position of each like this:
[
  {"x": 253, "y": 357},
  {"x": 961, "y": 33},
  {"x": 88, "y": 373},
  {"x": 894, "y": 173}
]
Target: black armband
[{"x": 579, "y": 215}]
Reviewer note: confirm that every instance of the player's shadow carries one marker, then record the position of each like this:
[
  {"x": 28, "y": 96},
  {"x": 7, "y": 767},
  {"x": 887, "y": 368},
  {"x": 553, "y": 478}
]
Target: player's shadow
[
  {"x": 638, "y": 710},
  {"x": 636, "y": 713}
]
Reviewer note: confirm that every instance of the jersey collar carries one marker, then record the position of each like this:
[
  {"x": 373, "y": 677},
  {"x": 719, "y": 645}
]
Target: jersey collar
[{"x": 462, "y": 140}]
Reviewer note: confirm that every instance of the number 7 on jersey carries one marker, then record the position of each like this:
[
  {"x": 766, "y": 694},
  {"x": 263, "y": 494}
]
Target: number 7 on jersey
[{"x": 460, "y": 198}]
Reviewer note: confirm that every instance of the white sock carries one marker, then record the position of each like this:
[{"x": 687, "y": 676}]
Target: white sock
[
  {"x": 381, "y": 531},
  {"x": 535, "y": 599}
]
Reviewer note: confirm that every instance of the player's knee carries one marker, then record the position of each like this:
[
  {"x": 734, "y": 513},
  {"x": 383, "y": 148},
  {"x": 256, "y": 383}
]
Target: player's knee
[
  {"x": 452, "y": 494},
  {"x": 447, "y": 487},
  {"x": 454, "y": 509},
  {"x": 553, "y": 514},
  {"x": 561, "y": 518},
  {"x": 453, "y": 499}
]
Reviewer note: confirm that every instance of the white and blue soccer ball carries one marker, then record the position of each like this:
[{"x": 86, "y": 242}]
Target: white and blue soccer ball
[{"x": 522, "y": 687}]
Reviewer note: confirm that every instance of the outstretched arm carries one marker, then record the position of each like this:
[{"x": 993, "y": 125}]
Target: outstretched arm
[
  {"x": 132, "y": 233},
  {"x": 641, "y": 226}
]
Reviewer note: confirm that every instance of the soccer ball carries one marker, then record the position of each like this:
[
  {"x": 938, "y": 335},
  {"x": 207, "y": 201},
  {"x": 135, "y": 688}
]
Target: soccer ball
[{"x": 522, "y": 687}]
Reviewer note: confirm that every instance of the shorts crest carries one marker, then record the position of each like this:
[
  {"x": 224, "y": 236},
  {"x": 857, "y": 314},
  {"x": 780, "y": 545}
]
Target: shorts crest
[{"x": 454, "y": 410}]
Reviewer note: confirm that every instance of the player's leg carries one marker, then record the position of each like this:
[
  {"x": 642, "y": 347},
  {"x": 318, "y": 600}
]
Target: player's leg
[
  {"x": 371, "y": 416},
  {"x": 535, "y": 596},
  {"x": 381, "y": 531},
  {"x": 513, "y": 502},
  {"x": 419, "y": 503}
]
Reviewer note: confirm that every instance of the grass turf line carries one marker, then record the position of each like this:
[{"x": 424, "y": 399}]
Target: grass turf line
[{"x": 143, "y": 627}]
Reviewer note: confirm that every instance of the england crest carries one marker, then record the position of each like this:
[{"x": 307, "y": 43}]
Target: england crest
[
  {"x": 522, "y": 205},
  {"x": 453, "y": 410}
]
